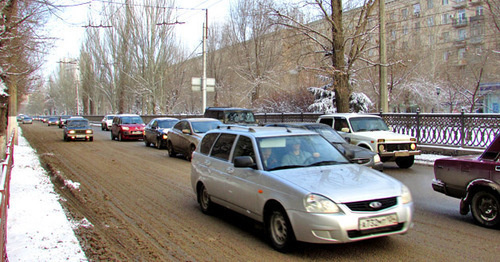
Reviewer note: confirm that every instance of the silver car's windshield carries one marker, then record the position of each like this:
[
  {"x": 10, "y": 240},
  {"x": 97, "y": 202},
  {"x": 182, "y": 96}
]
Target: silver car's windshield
[
  {"x": 360, "y": 124},
  {"x": 297, "y": 151}
]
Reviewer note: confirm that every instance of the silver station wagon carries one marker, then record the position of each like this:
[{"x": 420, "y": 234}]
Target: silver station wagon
[{"x": 298, "y": 185}]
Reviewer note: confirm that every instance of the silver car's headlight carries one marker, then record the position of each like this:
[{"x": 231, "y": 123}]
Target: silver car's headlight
[
  {"x": 405, "y": 195},
  {"x": 376, "y": 158},
  {"x": 320, "y": 204}
]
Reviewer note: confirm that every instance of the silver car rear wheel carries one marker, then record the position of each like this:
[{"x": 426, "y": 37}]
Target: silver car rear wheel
[{"x": 204, "y": 200}]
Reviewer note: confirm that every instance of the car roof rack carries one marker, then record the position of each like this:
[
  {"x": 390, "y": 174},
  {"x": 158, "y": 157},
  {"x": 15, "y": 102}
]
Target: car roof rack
[{"x": 249, "y": 129}]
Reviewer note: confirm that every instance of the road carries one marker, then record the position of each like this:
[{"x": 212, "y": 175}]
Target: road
[{"x": 142, "y": 208}]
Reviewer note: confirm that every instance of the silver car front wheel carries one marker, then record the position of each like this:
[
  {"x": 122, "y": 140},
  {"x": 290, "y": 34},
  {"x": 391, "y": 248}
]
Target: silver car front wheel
[{"x": 280, "y": 230}]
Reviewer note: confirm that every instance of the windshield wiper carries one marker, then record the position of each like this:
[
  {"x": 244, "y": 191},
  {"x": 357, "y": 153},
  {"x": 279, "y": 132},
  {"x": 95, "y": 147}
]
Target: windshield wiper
[
  {"x": 285, "y": 167},
  {"x": 325, "y": 163}
]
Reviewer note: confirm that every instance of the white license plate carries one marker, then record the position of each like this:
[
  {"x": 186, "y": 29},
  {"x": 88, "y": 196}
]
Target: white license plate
[
  {"x": 401, "y": 153},
  {"x": 80, "y": 136},
  {"x": 379, "y": 221},
  {"x": 137, "y": 132}
]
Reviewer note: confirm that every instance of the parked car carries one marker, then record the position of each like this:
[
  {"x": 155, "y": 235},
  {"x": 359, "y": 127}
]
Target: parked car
[
  {"x": 78, "y": 129},
  {"x": 156, "y": 130},
  {"x": 371, "y": 132},
  {"x": 53, "y": 121},
  {"x": 127, "y": 127},
  {"x": 27, "y": 120},
  {"x": 184, "y": 137},
  {"x": 475, "y": 180},
  {"x": 62, "y": 120},
  {"x": 231, "y": 115},
  {"x": 355, "y": 154},
  {"x": 298, "y": 185},
  {"x": 107, "y": 122}
]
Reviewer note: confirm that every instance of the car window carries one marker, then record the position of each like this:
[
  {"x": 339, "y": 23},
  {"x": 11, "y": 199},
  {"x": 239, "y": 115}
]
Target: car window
[
  {"x": 222, "y": 147},
  {"x": 205, "y": 126},
  {"x": 327, "y": 121},
  {"x": 360, "y": 124},
  {"x": 244, "y": 147},
  {"x": 240, "y": 117},
  {"x": 178, "y": 126},
  {"x": 340, "y": 123},
  {"x": 166, "y": 123},
  {"x": 154, "y": 124},
  {"x": 299, "y": 151},
  {"x": 327, "y": 132},
  {"x": 77, "y": 123},
  {"x": 207, "y": 142}
]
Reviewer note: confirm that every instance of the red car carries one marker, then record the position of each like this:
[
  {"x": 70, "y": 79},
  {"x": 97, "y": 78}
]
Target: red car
[
  {"x": 475, "y": 180},
  {"x": 127, "y": 127}
]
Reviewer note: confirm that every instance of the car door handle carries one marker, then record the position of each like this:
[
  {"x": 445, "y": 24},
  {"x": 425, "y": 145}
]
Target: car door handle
[{"x": 230, "y": 170}]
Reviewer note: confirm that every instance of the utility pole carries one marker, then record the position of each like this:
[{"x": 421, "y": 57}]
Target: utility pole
[
  {"x": 384, "y": 106},
  {"x": 204, "y": 64}
]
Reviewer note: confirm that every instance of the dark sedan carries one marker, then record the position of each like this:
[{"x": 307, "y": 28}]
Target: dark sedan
[
  {"x": 475, "y": 180},
  {"x": 78, "y": 129},
  {"x": 354, "y": 153},
  {"x": 156, "y": 130}
]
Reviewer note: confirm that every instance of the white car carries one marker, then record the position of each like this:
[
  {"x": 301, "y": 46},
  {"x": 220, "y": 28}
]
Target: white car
[
  {"x": 371, "y": 132},
  {"x": 107, "y": 122},
  {"x": 298, "y": 185}
]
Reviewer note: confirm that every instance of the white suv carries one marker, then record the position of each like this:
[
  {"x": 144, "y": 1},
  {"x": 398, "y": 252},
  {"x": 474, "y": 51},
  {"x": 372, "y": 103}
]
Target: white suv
[
  {"x": 298, "y": 185},
  {"x": 371, "y": 132}
]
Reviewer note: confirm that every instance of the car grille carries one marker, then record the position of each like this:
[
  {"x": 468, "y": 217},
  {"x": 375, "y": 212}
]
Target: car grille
[
  {"x": 396, "y": 147},
  {"x": 361, "y": 233},
  {"x": 80, "y": 132},
  {"x": 365, "y": 205}
]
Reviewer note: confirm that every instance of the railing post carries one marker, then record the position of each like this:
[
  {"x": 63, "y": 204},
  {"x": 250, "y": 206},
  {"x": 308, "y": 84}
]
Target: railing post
[
  {"x": 462, "y": 128},
  {"x": 418, "y": 125}
]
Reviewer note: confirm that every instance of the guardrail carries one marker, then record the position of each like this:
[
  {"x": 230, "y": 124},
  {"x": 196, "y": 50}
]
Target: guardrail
[
  {"x": 466, "y": 130},
  {"x": 7, "y": 165}
]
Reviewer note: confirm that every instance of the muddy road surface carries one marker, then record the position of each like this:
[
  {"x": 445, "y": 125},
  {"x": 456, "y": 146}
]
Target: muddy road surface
[{"x": 141, "y": 207}]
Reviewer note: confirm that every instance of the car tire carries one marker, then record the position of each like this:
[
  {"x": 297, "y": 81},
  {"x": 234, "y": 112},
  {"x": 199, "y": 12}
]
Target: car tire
[
  {"x": 206, "y": 205},
  {"x": 112, "y": 136},
  {"x": 170, "y": 148},
  {"x": 405, "y": 162},
  {"x": 158, "y": 143},
  {"x": 91, "y": 139},
  {"x": 192, "y": 148},
  {"x": 485, "y": 208},
  {"x": 120, "y": 138},
  {"x": 102, "y": 127},
  {"x": 279, "y": 230},
  {"x": 146, "y": 142}
]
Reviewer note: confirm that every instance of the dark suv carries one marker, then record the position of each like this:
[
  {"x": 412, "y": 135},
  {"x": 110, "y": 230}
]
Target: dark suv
[
  {"x": 127, "y": 127},
  {"x": 231, "y": 115}
]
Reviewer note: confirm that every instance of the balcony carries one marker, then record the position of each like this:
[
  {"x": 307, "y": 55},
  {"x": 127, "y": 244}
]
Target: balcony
[
  {"x": 459, "y": 43},
  {"x": 457, "y": 23},
  {"x": 475, "y": 40},
  {"x": 475, "y": 2},
  {"x": 460, "y": 4},
  {"x": 476, "y": 18}
]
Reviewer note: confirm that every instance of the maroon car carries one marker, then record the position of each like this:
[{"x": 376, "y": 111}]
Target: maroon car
[{"x": 475, "y": 180}]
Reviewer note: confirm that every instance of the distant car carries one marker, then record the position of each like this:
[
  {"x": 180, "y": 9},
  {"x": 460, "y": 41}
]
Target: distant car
[
  {"x": 53, "y": 121},
  {"x": 186, "y": 134},
  {"x": 353, "y": 153},
  {"x": 107, "y": 122},
  {"x": 19, "y": 118},
  {"x": 78, "y": 129},
  {"x": 27, "y": 120},
  {"x": 156, "y": 130},
  {"x": 299, "y": 186},
  {"x": 62, "y": 120},
  {"x": 127, "y": 127},
  {"x": 231, "y": 115},
  {"x": 475, "y": 180}
]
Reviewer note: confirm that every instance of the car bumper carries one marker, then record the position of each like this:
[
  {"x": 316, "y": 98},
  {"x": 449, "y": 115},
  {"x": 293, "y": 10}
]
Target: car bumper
[
  {"x": 343, "y": 228},
  {"x": 439, "y": 186},
  {"x": 132, "y": 135},
  {"x": 403, "y": 153},
  {"x": 80, "y": 137}
]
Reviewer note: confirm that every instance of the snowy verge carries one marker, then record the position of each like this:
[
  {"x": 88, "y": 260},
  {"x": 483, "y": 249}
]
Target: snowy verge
[{"x": 37, "y": 226}]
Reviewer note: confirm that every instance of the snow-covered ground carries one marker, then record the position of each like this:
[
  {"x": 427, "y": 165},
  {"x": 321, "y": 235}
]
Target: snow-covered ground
[
  {"x": 38, "y": 229},
  {"x": 37, "y": 226}
]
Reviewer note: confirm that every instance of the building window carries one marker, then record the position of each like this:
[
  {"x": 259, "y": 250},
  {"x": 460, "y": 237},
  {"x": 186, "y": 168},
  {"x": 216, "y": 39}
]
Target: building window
[
  {"x": 405, "y": 45},
  {"x": 393, "y": 34},
  {"x": 479, "y": 10},
  {"x": 430, "y": 21},
  {"x": 430, "y": 4},
  {"x": 405, "y": 30},
  {"x": 461, "y": 53},
  {"x": 462, "y": 34},
  {"x": 476, "y": 30},
  {"x": 445, "y": 19},
  {"x": 416, "y": 9},
  {"x": 417, "y": 26},
  {"x": 404, "y": 13},
  {"x": 462, "y": 19},
  {"x": 444, "y": 2},
  {"x": 446, "y": 37},
  {"x": 446, "y": 56}
]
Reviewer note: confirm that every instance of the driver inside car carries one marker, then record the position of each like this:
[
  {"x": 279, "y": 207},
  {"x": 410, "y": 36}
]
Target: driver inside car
[{"x": 296, "y": 156}]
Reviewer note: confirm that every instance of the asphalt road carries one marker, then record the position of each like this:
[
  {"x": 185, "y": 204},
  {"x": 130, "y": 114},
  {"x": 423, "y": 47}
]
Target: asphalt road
[{"x": 142, "y": 208}]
